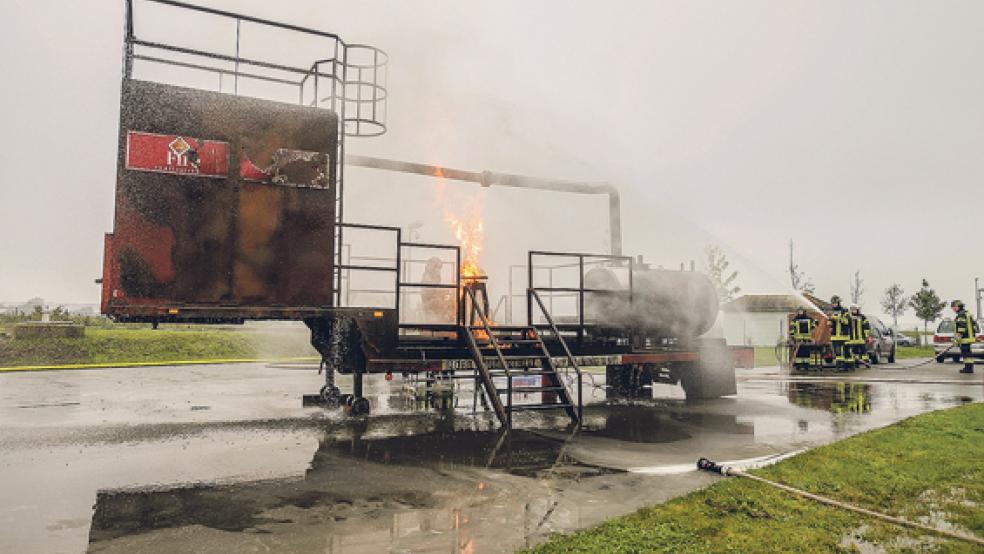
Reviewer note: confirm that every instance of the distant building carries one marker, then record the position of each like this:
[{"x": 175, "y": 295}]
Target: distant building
[{"x": 762, "y": 319}]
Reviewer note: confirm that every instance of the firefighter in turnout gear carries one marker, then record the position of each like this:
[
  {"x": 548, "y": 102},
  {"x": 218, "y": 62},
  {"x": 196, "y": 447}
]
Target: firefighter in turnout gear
[
  {"x": 860, "y": 330},
  {"x": 840, "y": 331},
  {"x": 801, "y": 335},
  {"x": 965, "y": 334}
]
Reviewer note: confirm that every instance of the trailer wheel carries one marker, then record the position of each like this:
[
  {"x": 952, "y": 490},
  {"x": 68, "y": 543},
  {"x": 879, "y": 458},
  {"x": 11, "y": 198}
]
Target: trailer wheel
[
  {"x": 360, "y": 407},
  {"x": 331, "y": 396}
]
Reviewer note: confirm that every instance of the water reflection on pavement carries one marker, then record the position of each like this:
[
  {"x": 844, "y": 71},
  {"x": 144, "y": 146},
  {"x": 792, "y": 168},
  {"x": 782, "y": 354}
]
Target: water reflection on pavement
[{"x": 223, "y": 458}]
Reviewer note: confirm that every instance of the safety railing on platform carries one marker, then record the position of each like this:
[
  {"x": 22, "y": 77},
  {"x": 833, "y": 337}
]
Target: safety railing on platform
[
  {"x": 609, "y": 275},
  {"x": 368, "y": 265},
  {"x": 257, "y": 57},
  {"x": 440, "y": 304},
  {"x": 376, "y": 250}
]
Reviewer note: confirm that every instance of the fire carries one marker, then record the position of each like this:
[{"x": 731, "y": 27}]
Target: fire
[
  {"x": 466, "y": 224},
  {"x": 463, "y": 216},
  {"x": 470, "y": 234}
]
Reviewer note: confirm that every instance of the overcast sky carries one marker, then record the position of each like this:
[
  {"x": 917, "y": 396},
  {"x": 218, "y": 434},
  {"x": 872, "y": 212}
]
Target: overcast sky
[{"x": 856, "y": 128}]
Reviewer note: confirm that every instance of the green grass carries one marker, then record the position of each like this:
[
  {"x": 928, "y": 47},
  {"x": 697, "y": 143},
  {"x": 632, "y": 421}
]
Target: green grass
[
  {"x": 141, "y": 345},
  {"x": 927, "y": 463},
  {"x": 905, "y": 352},
  {"x": 765, "y": 356}
]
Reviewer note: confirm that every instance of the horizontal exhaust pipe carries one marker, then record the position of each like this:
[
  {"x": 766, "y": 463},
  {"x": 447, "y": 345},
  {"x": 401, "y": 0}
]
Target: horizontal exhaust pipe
[{"x": 490, "y": 178}]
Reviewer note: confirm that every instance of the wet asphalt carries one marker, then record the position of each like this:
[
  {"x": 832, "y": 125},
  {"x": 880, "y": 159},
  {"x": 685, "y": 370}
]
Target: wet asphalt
[{"x": 222, "y": 458}]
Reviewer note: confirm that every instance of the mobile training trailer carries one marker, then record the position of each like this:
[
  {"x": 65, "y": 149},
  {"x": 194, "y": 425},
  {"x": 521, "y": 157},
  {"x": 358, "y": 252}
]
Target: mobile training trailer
[{"x": 230, "y": 207}]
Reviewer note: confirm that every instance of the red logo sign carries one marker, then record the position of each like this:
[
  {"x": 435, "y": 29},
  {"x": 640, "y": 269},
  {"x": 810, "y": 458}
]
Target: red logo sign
[{"x": 176, "y": 154}]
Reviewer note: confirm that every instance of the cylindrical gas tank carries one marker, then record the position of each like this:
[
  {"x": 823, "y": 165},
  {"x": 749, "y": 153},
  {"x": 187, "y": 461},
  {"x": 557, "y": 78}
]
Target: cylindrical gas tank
[{"x": 665, "y": 303}]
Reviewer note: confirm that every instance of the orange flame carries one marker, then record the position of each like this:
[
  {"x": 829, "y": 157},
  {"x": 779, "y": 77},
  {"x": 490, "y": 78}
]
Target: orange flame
[
  {"x": 465, "y": 223},
  {"x": 470, "y": 234}
]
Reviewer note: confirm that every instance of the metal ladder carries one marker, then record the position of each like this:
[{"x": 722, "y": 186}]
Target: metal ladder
[{"x": 512, "y": 351}]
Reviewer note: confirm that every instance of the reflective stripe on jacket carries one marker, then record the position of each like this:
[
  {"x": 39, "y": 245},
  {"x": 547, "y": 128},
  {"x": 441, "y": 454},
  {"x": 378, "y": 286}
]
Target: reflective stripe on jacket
[
  {"x": 840, "y": 324},
  {"x": 965, "y": 327},
  {"x": 801, "y": 328},
  {"x": 860, "y": 328}
]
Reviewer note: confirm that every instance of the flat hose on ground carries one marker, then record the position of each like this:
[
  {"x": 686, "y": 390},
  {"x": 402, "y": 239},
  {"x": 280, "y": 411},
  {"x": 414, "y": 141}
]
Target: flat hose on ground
[
  {"x": 920, "y": 364},
  {"x": 707, "y": 465},
  {"x": 927, "y": 362},
  {"x": 780, "y": 357}
]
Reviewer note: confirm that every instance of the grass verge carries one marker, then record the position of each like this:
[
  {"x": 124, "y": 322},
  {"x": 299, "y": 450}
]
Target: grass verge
[
  {"x": 906, "y": 352},
  {"x": 130, "y": 345},
  {"x": 926, "y": 468},
  {"x": 765, "y": 356}
]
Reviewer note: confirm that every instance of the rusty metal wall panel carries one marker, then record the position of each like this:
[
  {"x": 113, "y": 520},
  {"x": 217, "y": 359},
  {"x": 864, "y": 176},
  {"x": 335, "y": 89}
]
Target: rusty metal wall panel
[{"x": 257, "y": 242}]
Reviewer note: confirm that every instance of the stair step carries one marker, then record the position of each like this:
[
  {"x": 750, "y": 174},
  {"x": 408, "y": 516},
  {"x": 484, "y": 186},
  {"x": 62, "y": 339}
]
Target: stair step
[
  {"x": 531, "y": 357},
  {"x": 523, "y": 371},
  {"x": 527, "y": 407},
  {"x": 504, "y": 340},
  {"x": 495, "y": 328},
  {"x": 529, "y": 389}
]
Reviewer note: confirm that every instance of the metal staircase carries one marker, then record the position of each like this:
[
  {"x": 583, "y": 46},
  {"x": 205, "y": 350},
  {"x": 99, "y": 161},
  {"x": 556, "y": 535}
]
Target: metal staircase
[{"x": 503, "y": 353}]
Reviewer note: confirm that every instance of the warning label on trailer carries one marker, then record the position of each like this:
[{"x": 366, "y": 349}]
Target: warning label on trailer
[{"x": 176, "y": 154}]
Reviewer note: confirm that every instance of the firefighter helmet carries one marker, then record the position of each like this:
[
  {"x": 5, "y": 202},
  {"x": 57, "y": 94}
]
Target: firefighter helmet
[
  {"x": 855, "y": 309},
  {"x": 835, "y": 299}
]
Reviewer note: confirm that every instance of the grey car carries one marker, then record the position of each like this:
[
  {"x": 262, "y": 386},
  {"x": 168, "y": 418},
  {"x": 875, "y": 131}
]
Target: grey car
[
  {"x": 881, "y": 342},
  {"x": 902, "y": 339}
]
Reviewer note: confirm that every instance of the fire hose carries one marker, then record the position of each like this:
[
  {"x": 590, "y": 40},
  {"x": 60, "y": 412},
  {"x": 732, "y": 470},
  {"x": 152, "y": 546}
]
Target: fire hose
[
  {"x": 781, "y": 349},
  {"x": 927, "y": 362},
  {"x": 782, "y": 346},
  {"x": 727, "y": 471}
]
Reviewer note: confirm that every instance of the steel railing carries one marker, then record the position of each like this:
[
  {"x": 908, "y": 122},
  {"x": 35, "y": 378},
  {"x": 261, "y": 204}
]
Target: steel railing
[{"x": 567, "y": 351}]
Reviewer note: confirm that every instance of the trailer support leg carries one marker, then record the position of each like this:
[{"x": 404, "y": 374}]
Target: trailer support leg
[
  {"x": 357, "y": 384},
  {"x": 359, "y": 404},
  {"x": 329, "y": 396},
  {"x": 329, "y": 392}
]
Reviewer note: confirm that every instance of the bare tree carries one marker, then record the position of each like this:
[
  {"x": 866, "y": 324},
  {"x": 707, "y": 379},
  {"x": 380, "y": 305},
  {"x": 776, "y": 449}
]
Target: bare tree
[
  {"x": 895, "y": 303},
  {"x": 857, "y": 289},
  {"x": 797, "y": 277},
  {"x": 717, "y": 268}
]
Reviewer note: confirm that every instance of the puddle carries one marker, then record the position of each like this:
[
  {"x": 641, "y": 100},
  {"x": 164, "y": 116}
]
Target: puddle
[
  {"x": 445, "y": 445},
  {"x": 193, "y": 459},
  {"x": 361, "y": 470},
  {"x": 834, "y": 397}
]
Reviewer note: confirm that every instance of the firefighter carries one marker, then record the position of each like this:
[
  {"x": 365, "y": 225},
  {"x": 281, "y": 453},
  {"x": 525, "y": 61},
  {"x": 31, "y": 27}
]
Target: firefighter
[
  {"x": 859, "y": 332},
  {"x": 965, "y": 334},
  {"x": 840, "y": 331},
  {"x": 801, "y": 335}
]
